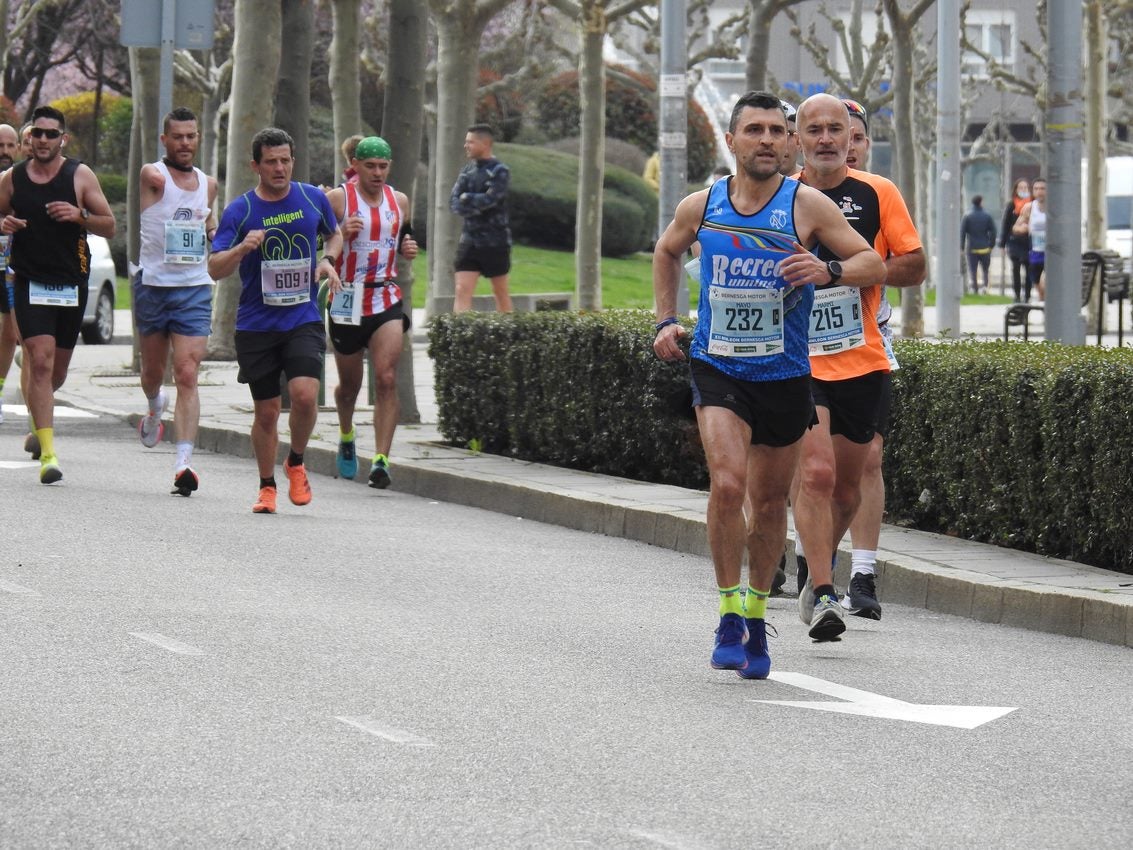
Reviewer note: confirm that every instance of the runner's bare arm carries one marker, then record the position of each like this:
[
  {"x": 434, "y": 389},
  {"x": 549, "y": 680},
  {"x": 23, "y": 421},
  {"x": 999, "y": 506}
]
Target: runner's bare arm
[
  {"x": 823, "y": 222},
  {"x": 668, "y": 266},
  {"x": 905, "y": 269},
  {"x": 88, "y": 192}
]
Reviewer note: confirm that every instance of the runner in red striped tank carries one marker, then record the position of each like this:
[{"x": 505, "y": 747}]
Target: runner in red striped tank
[{"x": 367, "y": 314}]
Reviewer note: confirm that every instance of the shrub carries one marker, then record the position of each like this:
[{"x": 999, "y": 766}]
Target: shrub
[
  {"x": 542, "y": 202},
  {"x": 630, "y": 115},
  {"x": 114, "y": 130},
  {"x": 114, "y": 187},
  {"x": 622, "y": 154},
  {"x": 82, "y": 134}
]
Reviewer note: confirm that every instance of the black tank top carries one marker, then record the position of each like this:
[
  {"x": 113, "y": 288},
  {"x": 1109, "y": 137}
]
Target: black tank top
[{"x": 47, "y": 251}]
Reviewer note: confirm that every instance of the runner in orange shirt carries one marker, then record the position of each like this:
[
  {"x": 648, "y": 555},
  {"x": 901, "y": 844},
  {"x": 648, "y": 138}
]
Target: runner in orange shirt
[{"x": 849, "y": 365}]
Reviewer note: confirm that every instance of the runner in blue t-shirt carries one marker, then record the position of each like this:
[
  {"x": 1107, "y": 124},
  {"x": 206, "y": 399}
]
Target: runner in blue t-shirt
[{"x": 271, "y": 235}]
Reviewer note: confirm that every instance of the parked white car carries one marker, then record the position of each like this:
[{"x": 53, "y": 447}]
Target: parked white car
[{"x": 98, "y": 321}]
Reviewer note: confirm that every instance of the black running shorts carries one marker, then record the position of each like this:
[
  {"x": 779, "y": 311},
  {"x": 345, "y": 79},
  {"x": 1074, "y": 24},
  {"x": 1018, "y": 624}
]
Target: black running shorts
[
  {"x": 855, "y": 404},
  {"x": 488, "y": 260},
  {"x": 265, "y": 355},
  {"x": 350, "y": 339},
  {"x": 778, "y": 412},
  {"x": 62, "y": 323}
]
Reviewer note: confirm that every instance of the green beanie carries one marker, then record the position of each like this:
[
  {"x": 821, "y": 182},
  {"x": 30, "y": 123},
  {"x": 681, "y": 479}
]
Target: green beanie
[{"x": 373, "y": 147}]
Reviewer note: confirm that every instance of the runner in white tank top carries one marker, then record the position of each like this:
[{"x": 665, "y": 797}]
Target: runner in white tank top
[
  {"x": 172, "y": 290},
  {"x": 368, "y": 314}
]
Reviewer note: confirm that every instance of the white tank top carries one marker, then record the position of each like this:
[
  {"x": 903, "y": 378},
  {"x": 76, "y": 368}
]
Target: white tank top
[
  {"x": 1038, "y": 229},
  {"x": 173, "y": 246}
]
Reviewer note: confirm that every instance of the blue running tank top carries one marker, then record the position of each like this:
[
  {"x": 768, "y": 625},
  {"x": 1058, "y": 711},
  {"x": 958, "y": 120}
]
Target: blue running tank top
[{"x": 750, "y": 323}]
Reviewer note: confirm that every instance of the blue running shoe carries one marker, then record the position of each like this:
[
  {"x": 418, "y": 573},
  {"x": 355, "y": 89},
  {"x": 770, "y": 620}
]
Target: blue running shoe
[
  {"x": 730, "y": 636},
  {"x": 755, "y": 650},
  {"x": 346, "y": 460}
]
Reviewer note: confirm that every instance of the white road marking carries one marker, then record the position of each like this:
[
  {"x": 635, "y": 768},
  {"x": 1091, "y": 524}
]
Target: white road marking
[
  {"x": 168, "y": 643},
  {"x": 19, "y": 464},
  {"x": 664, "y": 839},
  {"x": 61, "y": 412},
  {"x": 388, "y": 733},
  {"x": 868, "y": 704},
  {"x": 9, "y": 587}
]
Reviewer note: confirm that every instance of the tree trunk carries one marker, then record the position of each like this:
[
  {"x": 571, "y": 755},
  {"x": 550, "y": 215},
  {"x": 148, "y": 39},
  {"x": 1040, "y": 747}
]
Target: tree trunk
[
  {"x": 1097, "y": 83},
  {"x": 255, "y": 47},
  {"x": 402, "y": 126},
  {"x": 145, "y": 65},
  {"x": 344, "y": 62},
  {"x": 293, "y": 94},
  {"x": 758, "y": 46},
  {"x": 591, "y": 158}
]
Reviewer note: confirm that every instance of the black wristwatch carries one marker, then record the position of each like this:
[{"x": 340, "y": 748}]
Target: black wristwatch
[{"x": 834, "y": 269}]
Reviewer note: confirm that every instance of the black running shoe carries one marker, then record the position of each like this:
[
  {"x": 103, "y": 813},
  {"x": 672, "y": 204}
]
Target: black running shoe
[
  {"x": 861, "y": 598},
  {"x": 802, "y": 573},
  {"x": 780, "y": 577}
]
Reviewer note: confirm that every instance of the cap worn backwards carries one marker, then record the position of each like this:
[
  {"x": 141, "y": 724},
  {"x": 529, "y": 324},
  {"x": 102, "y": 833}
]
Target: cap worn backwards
[{"x": 373, "y": 147}]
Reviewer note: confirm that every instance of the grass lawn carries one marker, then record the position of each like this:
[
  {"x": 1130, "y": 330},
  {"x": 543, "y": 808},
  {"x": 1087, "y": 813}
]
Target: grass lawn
[{"x": 626, "y": 283}]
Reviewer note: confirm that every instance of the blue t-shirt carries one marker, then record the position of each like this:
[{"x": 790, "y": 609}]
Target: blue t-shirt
[
  {"x": 292, "y": 227},
  {"x": 751, "y": 324}
]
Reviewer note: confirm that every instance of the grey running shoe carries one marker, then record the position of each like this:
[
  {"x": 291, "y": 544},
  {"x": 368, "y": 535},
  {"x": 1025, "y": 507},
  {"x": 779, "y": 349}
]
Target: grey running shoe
[
  {"x": 861, "y": 598},
  {"x": 806, "y": 602},
  {"x": 827, "y": 623},
  {"x": 151, "y": 428},
  {"x": 31, "y": 445},
  {"x": 780, "y": 577}
]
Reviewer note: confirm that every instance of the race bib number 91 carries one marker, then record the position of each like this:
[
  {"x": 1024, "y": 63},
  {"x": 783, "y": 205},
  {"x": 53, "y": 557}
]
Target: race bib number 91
[{"x": 185, "y": 242}]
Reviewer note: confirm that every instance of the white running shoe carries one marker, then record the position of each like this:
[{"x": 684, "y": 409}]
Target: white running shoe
[{"x": 151, "y": 428}]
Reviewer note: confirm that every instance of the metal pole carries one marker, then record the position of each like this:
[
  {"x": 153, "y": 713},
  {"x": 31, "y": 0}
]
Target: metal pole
[
  {"x": 672, "y": 128},
  {"x": 949, "y": 285},
  {"x": 1063, "y": 142},
  {"x": 165, "y": 88}
]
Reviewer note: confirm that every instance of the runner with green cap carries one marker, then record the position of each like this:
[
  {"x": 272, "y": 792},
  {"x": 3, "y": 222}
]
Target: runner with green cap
[{"x": 368, "y": 314}]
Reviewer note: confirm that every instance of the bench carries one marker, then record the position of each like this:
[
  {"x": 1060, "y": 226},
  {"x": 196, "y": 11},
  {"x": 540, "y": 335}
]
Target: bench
[{"x": 1105, "y": 267}]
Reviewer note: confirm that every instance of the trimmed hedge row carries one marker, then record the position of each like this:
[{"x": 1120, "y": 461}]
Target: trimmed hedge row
[{"x": 1021, "y": 445}]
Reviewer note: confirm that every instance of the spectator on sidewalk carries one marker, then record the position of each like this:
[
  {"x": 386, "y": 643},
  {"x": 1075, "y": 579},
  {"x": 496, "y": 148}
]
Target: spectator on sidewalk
[
  {"x": 480, "y": 198},
  {"x": 1017, "y": 245},
  {"x": 1032, "y": 222},
  {"x": 977, "y": 238}
]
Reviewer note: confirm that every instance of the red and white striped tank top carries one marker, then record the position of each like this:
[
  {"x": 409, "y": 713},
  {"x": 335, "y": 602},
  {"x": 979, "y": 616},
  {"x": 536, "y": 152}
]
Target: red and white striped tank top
[{"x": 369, "y": 260}]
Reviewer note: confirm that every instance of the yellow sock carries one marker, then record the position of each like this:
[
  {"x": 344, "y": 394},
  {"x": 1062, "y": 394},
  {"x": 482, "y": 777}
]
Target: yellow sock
[
  {"x": 755, "y": 603},
  {"x": 730, "y": 601},
  {"x": 346, "y": 438},
  {"x": 46, "y": 441}
]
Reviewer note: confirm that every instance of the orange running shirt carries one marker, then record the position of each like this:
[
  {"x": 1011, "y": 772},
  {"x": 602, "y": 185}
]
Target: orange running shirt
[{"x": 875, "y": 209}]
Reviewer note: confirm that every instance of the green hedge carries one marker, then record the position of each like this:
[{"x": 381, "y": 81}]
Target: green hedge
[
  {"x": 1020, "y": 445},
  {"x": 574, "y": 390}
]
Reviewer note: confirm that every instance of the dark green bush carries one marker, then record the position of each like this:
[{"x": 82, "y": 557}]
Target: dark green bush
[
  {"x": 114, "y": 187},
  {"x": 631, "y": 115},
  {"x": 1019, "y": 445},
  {"x": 543, "y": 197}
]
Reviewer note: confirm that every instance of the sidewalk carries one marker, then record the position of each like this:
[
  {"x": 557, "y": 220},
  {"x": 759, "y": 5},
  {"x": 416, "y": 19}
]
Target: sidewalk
[{"x": 931, "y": 571}]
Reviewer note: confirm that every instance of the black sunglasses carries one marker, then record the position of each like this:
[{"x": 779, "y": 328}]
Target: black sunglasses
[{"x": 44, "y": 132}]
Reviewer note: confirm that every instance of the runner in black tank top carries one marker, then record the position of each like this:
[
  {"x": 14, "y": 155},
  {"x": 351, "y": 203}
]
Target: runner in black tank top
[{"x": 49, "y": 203}]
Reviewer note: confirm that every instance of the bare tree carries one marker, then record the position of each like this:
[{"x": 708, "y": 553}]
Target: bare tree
[
  {"x": 256, "y": 46},
  {"x": 345, "y": 61},
  {"x": 593, "y": 19},
  {"x": 403, "y": 126},
  {"x": 293, "y": 91},
  {"x": 761, "y": 14},
  {"x": 459, "y": 25}
]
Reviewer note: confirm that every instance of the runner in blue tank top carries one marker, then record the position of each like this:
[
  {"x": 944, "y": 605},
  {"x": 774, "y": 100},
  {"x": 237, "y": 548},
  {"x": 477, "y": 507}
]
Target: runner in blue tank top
[{"x": 750, "y": 364}]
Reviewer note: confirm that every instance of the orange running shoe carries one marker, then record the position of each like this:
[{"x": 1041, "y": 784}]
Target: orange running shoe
[
  {"x": 299, "y": 488},
  {"x": 265, "y": 504}
]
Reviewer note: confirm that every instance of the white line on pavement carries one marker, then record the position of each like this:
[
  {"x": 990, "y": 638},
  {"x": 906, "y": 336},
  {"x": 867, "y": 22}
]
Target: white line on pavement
[
  {"x": 61, "y": 412},
  {"x": 388, "y": 733},
  {"x": 18, "y": 464},
  {"x": 9, "y": 587},
  {"x": 168, "y": 643},
  {"x": 663, "y": 839}
]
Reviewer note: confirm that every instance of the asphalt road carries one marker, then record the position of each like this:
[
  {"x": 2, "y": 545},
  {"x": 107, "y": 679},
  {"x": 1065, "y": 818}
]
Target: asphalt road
[{"x": 380, "y": 670}]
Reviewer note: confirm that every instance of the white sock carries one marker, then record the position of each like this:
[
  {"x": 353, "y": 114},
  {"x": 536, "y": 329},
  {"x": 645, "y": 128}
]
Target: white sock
[
  {"x": 156, "y": 403},
  {"x": 799, "y": 553},
  {"x": 863, "y": 561},
  {"x": 184, "y": 454}
]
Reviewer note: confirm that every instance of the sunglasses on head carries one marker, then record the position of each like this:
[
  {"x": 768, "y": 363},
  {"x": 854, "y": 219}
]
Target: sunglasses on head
[
  {"x": 855, "y": 108},
  {"x": 46, "y": 133}
]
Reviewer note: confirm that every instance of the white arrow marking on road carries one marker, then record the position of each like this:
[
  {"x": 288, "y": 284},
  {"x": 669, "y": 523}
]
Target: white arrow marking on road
[
  {"x": 9, "y": 587},
  {"x": 388, "y": 733},
  {"x": 168, "y": 643},
  {"x": 875, "y": 705}
]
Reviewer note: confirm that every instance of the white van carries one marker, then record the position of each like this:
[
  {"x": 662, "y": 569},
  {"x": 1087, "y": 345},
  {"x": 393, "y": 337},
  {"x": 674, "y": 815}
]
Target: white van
[{"x": 1118, "y": 205}]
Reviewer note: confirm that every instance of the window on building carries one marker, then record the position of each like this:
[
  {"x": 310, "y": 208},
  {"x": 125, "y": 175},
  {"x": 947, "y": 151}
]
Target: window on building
[{"x": 993, "y": 32}]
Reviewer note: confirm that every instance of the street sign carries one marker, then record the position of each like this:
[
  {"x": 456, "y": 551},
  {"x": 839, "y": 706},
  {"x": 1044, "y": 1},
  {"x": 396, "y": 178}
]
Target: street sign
[{"x": 193, "y": 24}]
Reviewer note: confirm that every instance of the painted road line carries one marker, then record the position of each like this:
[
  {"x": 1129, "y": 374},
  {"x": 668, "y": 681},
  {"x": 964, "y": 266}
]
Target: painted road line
[
  {"x": 18, "y": 464},
  {"x": 168, "y": 644},
  {"x": 10, "y": 587},
  {"x": 61, "y": 412},
  {"x": 869, "y": 704},
  {"x": 665, "y": 839},
  {"x": 387, "y": 733}
]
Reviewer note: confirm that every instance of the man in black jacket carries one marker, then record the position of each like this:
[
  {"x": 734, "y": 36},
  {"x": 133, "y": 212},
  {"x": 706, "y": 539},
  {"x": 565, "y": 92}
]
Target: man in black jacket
[{"x": 480, "y": 198}]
